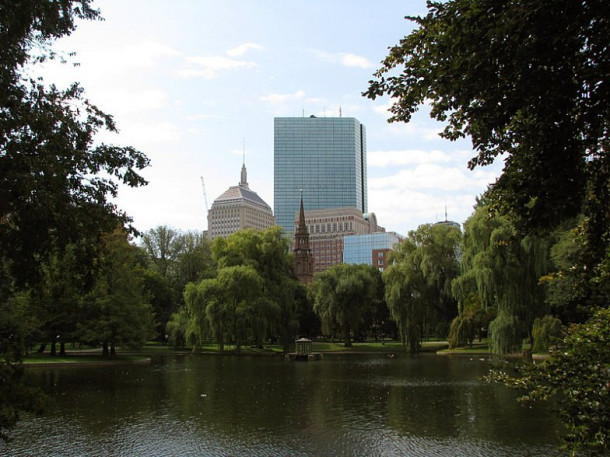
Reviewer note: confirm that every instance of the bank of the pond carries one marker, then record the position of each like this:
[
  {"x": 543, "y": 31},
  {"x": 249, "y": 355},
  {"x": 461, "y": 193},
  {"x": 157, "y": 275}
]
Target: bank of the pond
[
  {"x": 481, "y": 349},
  {"x": 143, "y": 355},
  {"x": 84, "y": 359}
]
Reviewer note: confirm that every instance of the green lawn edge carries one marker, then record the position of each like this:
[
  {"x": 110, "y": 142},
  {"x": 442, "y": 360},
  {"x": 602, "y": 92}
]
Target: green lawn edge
[{"x": 143, "y": 354}]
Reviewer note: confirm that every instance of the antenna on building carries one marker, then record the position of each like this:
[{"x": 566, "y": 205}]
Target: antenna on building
[
  {"x": 340, "y": 113},
  {"x": 205, "y": 196}
]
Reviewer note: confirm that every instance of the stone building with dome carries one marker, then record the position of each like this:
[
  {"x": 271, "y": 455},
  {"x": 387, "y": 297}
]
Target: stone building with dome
[{"x": 238, "y": 208}]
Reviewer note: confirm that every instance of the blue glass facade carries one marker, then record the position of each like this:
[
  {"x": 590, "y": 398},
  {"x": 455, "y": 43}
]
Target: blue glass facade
[
  {"x": 325, "y": 158},
  {"x": 361, "y": 249}
]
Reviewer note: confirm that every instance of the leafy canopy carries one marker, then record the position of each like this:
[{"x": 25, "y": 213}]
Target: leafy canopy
[{"x": 525, "y": 81}]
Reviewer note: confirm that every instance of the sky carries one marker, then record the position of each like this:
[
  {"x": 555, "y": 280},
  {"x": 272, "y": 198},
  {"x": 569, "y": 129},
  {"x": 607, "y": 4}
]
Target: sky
[{"x": 195, "y": 85}]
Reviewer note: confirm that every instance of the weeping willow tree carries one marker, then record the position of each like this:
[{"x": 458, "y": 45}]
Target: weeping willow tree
[
  {"x": 418, "y": 282},
  {"x": 225, "y": 306},
  {"x": 403, "y": 294},
  {"x": 341, "y": 297},
  {"x": 504, "y": 270}
]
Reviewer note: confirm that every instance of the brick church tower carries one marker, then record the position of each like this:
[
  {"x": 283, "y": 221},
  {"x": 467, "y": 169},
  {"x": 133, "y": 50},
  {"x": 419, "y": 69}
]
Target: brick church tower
[{"x": 303, "y": 258}]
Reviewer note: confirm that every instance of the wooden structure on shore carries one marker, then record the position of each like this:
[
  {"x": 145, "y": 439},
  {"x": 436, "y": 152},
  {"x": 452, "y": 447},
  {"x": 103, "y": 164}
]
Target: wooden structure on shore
[{"x": 303, "y": 352}]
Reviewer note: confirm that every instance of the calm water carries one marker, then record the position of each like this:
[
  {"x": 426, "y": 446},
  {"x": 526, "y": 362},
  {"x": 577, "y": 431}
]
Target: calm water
[{"x": 240, "y": 406}]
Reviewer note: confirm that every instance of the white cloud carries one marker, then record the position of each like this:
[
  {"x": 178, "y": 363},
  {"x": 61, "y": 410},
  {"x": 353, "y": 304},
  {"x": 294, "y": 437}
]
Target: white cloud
[
  {"x": 384, "y": 159},
  {"x": 202, "y": 117},
  {"x": 434, "y": 177},
  {"x": 243, "y": 48},
  {"x": 352, "y": 60},
  {"x": 280, "y": 98},
  {"x": 345, "y": 59},
  {"x": 142, "y": 134},
  {"x": 144, "y": 54},
  {"x": 209, "y": 67},
  {"x": 121, "y": 102}
]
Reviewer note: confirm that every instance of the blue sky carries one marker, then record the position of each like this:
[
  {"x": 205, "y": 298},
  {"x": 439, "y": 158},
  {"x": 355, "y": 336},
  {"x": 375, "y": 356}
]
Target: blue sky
[{"x": 190, "y": 82}]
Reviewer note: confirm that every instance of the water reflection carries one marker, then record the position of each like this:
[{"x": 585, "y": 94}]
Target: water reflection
[{"x": 343, "y": 405}]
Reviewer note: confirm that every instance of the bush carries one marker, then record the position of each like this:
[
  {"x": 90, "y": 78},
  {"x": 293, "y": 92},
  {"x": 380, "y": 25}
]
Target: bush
[{"x": 545, "y": 331}]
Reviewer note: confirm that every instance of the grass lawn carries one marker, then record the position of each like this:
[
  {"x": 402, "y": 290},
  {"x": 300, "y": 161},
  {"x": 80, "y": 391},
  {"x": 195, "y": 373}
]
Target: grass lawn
[
  {"x": 94, "y": 355},
  {"x": 46, "y": 359},
  {"x": 476, "y": 348}
]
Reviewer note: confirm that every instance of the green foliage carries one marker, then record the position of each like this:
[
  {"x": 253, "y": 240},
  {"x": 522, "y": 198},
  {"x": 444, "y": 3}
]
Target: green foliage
[
  {"x": 418, "y": 281},
  {"x": 231, "y": 305},
  {"x": 115, "y": 311},
  {"x": 341, "y": 297},
  {"x": 469, "y": 323},
  {"x": 546, "y": 331},
  {"x": 163, "y": 245},
  {"x": 309, "y": 323},
  {"x": 506, "y": 334},
  {"x": 176, "y": 328},
  {"x": 527, "y": 81},
  {"x": 267, "y": 307},
  {"x": 502, "y": 269},
  {"x": 56, "y": 185},
  {"x": 576, "y": 376},
  {"x": 174, "y": 259}
]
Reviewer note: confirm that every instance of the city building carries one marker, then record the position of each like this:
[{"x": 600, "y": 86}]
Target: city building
[
  {"x": 327, "y": 229},
  {"x": 370, "y": 248},
  {"x": 238, "y": 208},
  {"x": 322, "y": 159},
  {"x": 303, "y": 256},
  {"x": 450, "y": 224}
]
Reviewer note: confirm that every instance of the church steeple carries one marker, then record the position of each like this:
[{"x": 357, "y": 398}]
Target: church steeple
[{"x": 303, "y": 257}]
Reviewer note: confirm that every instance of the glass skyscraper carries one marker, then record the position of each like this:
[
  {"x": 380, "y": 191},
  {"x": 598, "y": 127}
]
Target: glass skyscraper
[{"x": 322, "y": 157}]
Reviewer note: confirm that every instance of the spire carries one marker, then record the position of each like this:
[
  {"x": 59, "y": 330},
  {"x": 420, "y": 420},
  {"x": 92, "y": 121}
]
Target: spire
[
  {"x": 244, "y": 174},
  {"x": 302, "y": 214},
  {"x": 244, "y": 177},
  {"x": 303, "y": 258}
]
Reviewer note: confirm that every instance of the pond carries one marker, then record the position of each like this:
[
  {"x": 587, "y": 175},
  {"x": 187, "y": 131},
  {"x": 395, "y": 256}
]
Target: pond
[{"x": 348, "y": 405}]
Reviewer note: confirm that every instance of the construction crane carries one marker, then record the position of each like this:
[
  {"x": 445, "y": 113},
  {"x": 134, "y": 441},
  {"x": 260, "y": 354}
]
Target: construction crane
[{"x": 205, "y": 196}]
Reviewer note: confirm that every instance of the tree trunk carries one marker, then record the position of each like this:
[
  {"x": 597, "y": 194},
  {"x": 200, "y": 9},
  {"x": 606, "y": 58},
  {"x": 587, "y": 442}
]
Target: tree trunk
[
  {"x": 346, "y": 337},
  {"x": 62, "y": 348},
  {"x": 105, "y": 352},
  {"x": 42, "y": 347},
  {"x": 112, "y": 350},
  {"x": 53, "y": 349}
]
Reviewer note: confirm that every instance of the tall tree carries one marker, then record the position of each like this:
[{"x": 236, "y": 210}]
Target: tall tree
[
  {"x": 56, "y": 183},
  {"x": 268, "y": 253},
  {"x": 528, "y": 82},
  {"x": 229, "y": 305},
  {"x": 341, "y": 297},
  {"x": 163, "y": 244},
  {"x": 116, "y": 311},
  {"x": 503, "y": 270},
  {"x": 418, "y": 282},
  {"x": 175, "y": 258},
  {"x": 523, "y": 81},
  {"x": 576, "y": 378}
]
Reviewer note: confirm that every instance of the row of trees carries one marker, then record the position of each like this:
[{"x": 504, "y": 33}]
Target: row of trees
[
  {"x": 61, "y": 237},
  {"x": 527, "y": 82}
]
